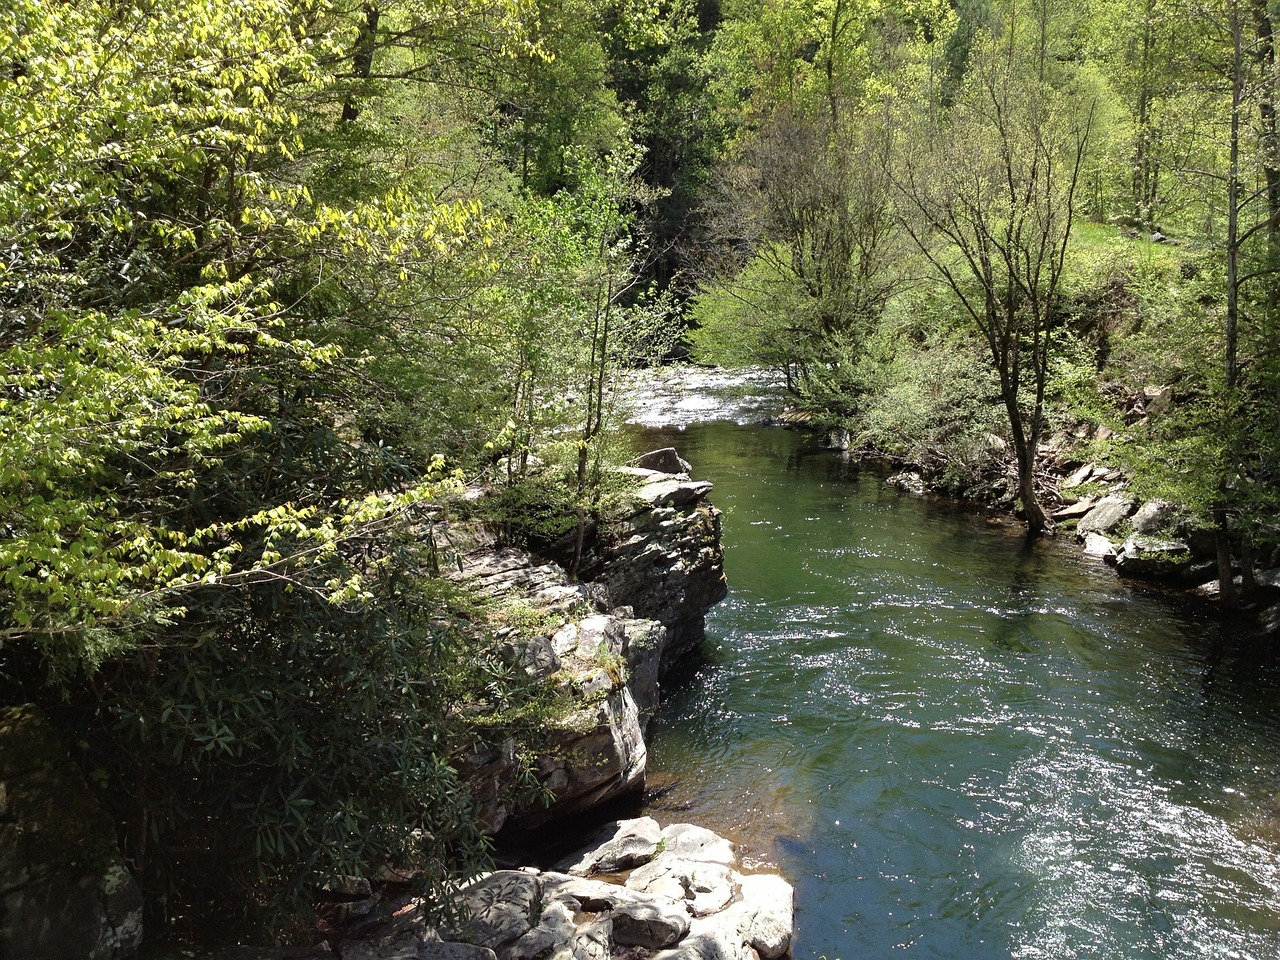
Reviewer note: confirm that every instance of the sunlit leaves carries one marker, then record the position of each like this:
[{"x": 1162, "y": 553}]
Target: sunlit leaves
[{"x": 144, "y": 240}]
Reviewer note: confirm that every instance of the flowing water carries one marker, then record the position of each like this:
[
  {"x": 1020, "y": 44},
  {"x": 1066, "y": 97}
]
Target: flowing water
[{"x": 957, "y": 744}]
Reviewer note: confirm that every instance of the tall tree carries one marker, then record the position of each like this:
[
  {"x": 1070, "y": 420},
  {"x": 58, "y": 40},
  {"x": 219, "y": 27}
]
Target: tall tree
[
  {"x": 811, "y": 250},
  {"x": 995, "y": 195}
]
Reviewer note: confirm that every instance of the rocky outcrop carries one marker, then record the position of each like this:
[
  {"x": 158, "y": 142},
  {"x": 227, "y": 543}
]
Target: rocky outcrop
[
  {"x": 606, "y": 663},
  {"x": 661, "y": 556},
  {"x": 64, "y": 889},
  {"x": 645, "y": 584},
  {"x": 685, "y": 898},
  {"x": 1153, "y": 517}
]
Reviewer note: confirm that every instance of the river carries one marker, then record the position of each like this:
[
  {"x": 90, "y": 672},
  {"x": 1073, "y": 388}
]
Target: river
[{"x": 958, "y": 744}]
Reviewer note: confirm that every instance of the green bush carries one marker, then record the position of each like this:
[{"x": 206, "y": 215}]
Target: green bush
[{"x": 281, "y": 741}]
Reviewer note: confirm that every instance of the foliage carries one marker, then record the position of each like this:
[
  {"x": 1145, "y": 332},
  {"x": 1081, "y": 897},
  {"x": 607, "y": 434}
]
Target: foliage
[
  {"x": 280, "y": 743},
  {"x": 267, "y": 290},
  {"x": 812, "y": 248},
  {"x": 930, "y": 405}
]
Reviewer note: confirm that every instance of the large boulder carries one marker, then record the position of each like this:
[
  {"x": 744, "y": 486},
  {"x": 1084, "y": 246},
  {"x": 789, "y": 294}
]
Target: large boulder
[
  {"x": 497, "y": 909},
  {"x": 665, "y": 460},
  {"x": 645, "y": 581},
  {"x": 654, "y": 924},
  {"x": 1107, "y": 514},
  {"x": 621, "y": 845},
  {"x": 693, "y": 842},
  {"x": 554, "y": 928},
  {"x": 608, "y": 662},
  {"x": 1151, "y": 558},
  {"x": 1074, "y": 511},
  {"x": 64, "y": 889},
  {"x": 765, "y": 916},
  {"x": 1153, "y": 517},
  {"x": 1096, "y": 545}
]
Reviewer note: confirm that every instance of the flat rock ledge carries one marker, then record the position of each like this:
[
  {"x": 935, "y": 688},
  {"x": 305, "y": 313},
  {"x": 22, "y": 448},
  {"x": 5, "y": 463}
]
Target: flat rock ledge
[{"x": 637, "y": 891}]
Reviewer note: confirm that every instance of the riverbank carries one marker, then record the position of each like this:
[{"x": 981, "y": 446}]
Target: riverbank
[
  {"x": 636, "y": 891},
  {"x": 598, "y": 644},
  {"x": 1143, "y": 539}
]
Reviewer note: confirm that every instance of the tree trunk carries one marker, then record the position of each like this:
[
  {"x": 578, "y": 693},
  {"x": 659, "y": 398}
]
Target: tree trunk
[
  {"x": 1248, "y": 583},
  {"x": 1024, "y": 449},
  {"x": 362, "y": 56},
  {"x": 1269, "y": 142},
  {"x": 1226, "y": 579}
]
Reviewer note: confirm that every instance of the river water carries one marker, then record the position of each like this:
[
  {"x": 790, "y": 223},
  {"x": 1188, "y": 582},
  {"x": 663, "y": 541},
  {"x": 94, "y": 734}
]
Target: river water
[{"x": 958, "y": 744}]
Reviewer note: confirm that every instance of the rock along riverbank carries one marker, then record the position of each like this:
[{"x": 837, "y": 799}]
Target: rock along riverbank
[
  {"x": 647, "y": 577},
  {"x": 637, "y": 890}
]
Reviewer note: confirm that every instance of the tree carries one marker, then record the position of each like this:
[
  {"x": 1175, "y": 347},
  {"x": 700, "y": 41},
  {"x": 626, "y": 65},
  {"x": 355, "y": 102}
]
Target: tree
[
  {"x": 811, "y": 246},
  {"x": 1250, "y": 245},
  {"x": 996, "y": 198},
  {"x": 215, "y": 553}
]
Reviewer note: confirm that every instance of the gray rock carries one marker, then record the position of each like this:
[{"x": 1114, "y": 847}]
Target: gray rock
[
  {"x": 657, "y": 566},
  {"x": 1096, "y": 545},
  {"x": 1079, "y": 477},
  {"x": 64, "y": 888},
  {"x": 654, "y": 924},
  {"x": 1269, "y": 619},
  {"x": 708, "y": 940},
  {"x": 538, "y": 657},
  {"x": 1211, "y": 589},
  {"x": 706, "y": 902},
  {"x": 582, "y": 894},
  {"x": 908, "y": 481},
  {"x": 597, "y": 754},
  {"x": 613, "y": 664},
  {"x": 766, "y": 915},
  {"x": 1073, "y": 511},
  {"x": 626, "y": 844},
  {"x": 692, "y": 842},
  {"x": 1150, "y": 558},
  {"x": 708, "y": 886},
  {"x": 555, "y": 928},
  {"x": 667, "y": 564},
  {"x": 590, "y": 942},
  {"x": 665, "y": 460},
  {"x": 666, "y": 491},
  {"x": 497, "y": 909},
  {"x": 1153, "y": 517},
  {"x": 644, "y": 642},
  {"x": 1106, "y": 515},
  {"x": 1157, "y": 399},
  {"x": 1268, "y": 578}
]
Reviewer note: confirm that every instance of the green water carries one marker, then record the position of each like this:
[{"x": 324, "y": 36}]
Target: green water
[{"x": 956, "y": 744}]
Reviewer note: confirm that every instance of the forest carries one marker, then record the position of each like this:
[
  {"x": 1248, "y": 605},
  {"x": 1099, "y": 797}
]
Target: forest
[{"x": 278, "y": 278}]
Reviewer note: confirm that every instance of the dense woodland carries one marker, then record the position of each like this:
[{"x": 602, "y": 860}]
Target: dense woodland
[{"x": 278, "y": 277}]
